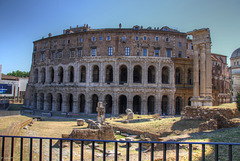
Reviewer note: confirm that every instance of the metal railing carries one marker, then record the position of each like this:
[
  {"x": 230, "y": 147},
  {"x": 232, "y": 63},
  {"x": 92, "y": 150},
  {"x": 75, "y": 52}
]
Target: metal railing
[{"x": 23, "y": 147}]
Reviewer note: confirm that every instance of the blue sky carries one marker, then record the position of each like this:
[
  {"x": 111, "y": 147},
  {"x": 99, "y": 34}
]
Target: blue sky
[{"x": 24, "y": 21}]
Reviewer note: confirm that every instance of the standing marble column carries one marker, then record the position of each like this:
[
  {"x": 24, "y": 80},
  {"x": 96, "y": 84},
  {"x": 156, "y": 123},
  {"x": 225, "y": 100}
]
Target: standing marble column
[
  {"x": 202, "y": 71},
  {"x": 208, "y": 71},
  {"x": 196, "y": 72}
]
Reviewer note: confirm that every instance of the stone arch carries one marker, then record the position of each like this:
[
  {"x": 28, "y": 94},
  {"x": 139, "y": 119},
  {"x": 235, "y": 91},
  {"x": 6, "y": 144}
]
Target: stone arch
[
  {"x": 109, "y": 74},
  {"x": 41, "y": 99},
  {"x": 59, "y": 102},
  {"x": 36, "y": 76},
  {"x": 95, "y": 73},
  {"x": 151, "y": 104},
  {"x": 81, "y": 103},
  {"x": 71, "y": 74},
  {"x": 178, "y": 75},
  {"x": 82, "y": 73},
  {"x": 137, "y": 74},
  {"x": 49, "y": 102},
  {"x": 123, "y": 74},
  {"x": 137, "y": 104},
  {"x": 60, "y": 74},
  {"x": 165, "y": 105},
  {"x": 70, "y": 102},
  {"x": 190, "y": 76},
  {"x": 122, "y": 104},
  {"x": 94, "y": 103},
  {"x": 151, "y": 74},
  {"x": 51, "y": 75},
  {"x": 165, "y": 75},
  {"x": 179, "y": 105},
  {"x": 108, "y": 100},
  {"x": 189, "y": 101},
  {"x": 43, "y": 75}
]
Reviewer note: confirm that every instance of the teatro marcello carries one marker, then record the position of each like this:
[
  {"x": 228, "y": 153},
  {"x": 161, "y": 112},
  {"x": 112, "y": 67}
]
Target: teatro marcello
[{"x": 149, "y": 70}]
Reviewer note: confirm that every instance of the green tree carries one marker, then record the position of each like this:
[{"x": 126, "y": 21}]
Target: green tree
[
  {"x": 19, "y": 73},
  {"x": 238, "y": 101}
]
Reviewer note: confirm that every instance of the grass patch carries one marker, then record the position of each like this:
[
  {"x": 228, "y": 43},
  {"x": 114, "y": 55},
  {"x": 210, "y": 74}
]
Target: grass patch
[{"x": 7, "y": 121}]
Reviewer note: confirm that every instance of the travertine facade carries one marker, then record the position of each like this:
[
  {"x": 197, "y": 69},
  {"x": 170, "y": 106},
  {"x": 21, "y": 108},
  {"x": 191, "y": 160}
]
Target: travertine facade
[{"x": 146, "y": 70}]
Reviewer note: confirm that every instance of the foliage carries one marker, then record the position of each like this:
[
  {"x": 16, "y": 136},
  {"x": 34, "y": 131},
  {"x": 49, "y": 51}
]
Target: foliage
[
  {"x": 19, "y": 73},
  {"x": 238, "y": 101}
]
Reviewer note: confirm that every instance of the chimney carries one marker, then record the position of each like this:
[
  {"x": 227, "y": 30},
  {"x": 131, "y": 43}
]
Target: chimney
[
  {"x": 120, "y": 25},
  {"x": 77, "y": 26},
  {"x": 42, "y": 37},
  {"x": 49, "y": 35},
  {"x": 84, "y": 25},
  {"x": 64, "y": 31},
  {"x": 70, "y": 27},
  {"x": 0, "y": 71}
]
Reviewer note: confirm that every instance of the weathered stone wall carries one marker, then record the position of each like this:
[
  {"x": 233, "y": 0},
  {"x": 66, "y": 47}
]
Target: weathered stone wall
[{"x": 190, "y": 112}]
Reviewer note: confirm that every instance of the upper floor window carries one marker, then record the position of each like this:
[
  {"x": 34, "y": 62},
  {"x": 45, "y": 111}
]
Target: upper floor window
[
  {"x": 167, "y": 39},
  {"x": 100, "y": 38},
  {"x": 42, "y": 56},
  {"x": 63, "y": 42},
  {"x": 169, "y": 53},
  {"x": 191, "y": 46},
  {"x": 55, "y": 42},
  {"x": 144, "y": 51},
  {"x": 60, "y": 54},
  {"x": 156, "y": 52},
  {"x": 127, "y": 51},
  {"x": 108, "y": 38},
  {"x": 124, "y": 39},
  {"x": 136, "y": 38},
  {"x": 72, "y": 53},
  {"x": 79, "y": 52},
  {"x": 179, "y": 54},
  {"x": 35, "y": 48},
  {"x": 156, "y": 38},
  {"x": 94, "y": 52},
  {"x": 69, "y": 41},
  {"x": 144, "y": 37},
  {"x": 46, "y": 44},
  {"x": 93, "y": 38},
  {"x": 237, "y": 63},
  {"x": 180, "y": 44},
  {"x": 80, "y": 40},
  {"x": 53, "y": 55},
  {"x": 110, "y": 51}
]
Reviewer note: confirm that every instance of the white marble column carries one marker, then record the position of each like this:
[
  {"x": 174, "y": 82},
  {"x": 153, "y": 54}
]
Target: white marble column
[
  {"x": 196, "y": 72},
  {"x": 202, "y": 71}
]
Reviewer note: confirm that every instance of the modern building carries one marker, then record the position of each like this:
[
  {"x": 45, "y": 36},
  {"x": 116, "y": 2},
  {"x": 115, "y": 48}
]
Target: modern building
[
  {"x": 235, "y": 73},
  {"x": 149, "y": 70}
]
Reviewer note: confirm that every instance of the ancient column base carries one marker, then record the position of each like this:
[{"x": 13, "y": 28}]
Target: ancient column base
[{"x": 197, "y": 101}]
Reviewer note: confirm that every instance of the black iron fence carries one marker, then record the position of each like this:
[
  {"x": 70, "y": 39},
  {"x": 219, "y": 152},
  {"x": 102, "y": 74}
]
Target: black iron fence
[{"x": 43, "y": 148}]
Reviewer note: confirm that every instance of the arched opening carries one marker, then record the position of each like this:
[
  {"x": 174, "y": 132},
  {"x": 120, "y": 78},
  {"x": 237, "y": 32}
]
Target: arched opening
[
  {"x": 178, "y": 76},
  {"x": 43, "y": 75},
  {"x": 70, "y": 102},
  {"x": 95, "y": 74},
  {"x": 94, "y": 103},
  {"x": 137, "y": 74},
  {"x": 190, "y": 77},
  {"x": 82, "y": 102},
  {"x": 109, "y": 74},
  {"x": 179, "y": 104},
  {"x": 35, "y": 101},
  {"x": 82, "y": 74},
  {"x": 165, "y": 75},
  {"x": 122, "y": 104},
  {"x": 41, "y": 103},
  {"x": 164, "y": 105},
  {"x": 137, "y": 104},
  {"x": 123, "y": 74},
  {"x": 151, "y": 104},
  {"x": 36, "y": 76},
  {"x": 71, "y": 74},
  {"x": 51, "y": 74},
  {"x": 59, "y": 102},
  {"x": 151, "y": 74},
  {"x": 108, "y": 100},
  {"x": 60, "y": 74},
  {"x": 189, "y": 101},
  {"x": 49, "y": 101}
]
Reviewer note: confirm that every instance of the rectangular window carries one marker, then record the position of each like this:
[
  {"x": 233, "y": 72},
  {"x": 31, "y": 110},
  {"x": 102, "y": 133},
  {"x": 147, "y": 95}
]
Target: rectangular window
[
  {"x": 127, "y": 51},
  {"x": 45, "y": 44},
  {"x": 156, "y": 38},
  {"x": 110, "y": 51},
  {"x": 144, "y": 37},
  {"x": 93, "y": 38},
  {"x": 60, "y": 54},
  {"x": 136, "y": 38},
  {"x": 124, "y": 39},
  {"x": 55, "y": 42},
  {"x": 53, "y": 55},
  {"x": 63, "y": 42},
  {"x": 94, "y": 52},
  {"x": 35, "y": 48},
  {"x": 42, "y": 56},
  {"x": 79, "y": 52},
  {"x": 72, "y": 53},
  {"x": 156, "y": 51},
  {"x": 145, "y": 52},
  {"x": 80, "y": 40},
  {"x": 179, "y": 54},
  {"x": 191, "y": 46},
  {"x": 108, "y": 38},
  {"x": 180, "y": 44},
  {"x": 69, "y": 41},
  {"x": 100, "y": 38},
  {"x": 169, "y": 53}
]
